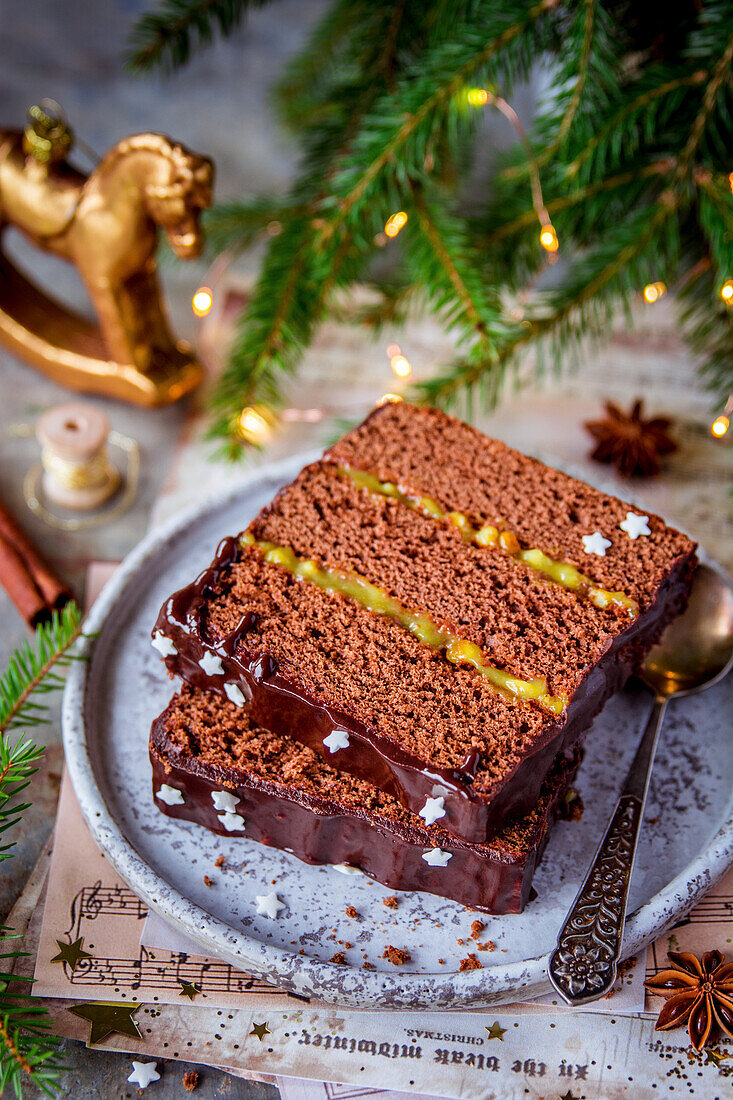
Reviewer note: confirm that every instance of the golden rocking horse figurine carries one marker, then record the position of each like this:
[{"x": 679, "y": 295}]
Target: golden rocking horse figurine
[{"x": 106, "y": 225}]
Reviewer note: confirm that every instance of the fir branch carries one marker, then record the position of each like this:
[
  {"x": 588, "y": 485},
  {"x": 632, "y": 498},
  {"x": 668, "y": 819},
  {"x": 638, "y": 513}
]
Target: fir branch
[
  {"x": 392, "y": 305},
  {"x": 586, "y": 22},
  {"x": 427, "y": 222},
  {"x": 618, "y": 265},
  {"x": 719, "y": 77},
  {"x": 276, "y": 325},
  {"x": 302, "y": 95},
  {"x": 30, "y": 669},
  {"x": 299, "y": 271},
  {"x": 441, "y": 261},
  {"x": 167, "y": 36},
  {"x": 638, "y": 118},
  {"x": 528, "y": 219},
  {"x": 621, "y": 134},
  {"x": 589, "y": 18},
  {"x": 28, "y": 1052},
  {"x": 234, "y": 226},
  {"x": 400, "y": 118},
  {"x": 17, "y": 766},
  {"x": 389, "y": 46},
  {"x": 709, "y": 332},
  {"x": 359, "y": 38},
  {"x": 716, "y": 219}
]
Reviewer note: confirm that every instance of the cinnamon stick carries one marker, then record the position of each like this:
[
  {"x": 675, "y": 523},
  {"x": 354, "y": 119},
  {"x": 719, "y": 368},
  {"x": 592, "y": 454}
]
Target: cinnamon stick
[{"x": 30, "y": 582}]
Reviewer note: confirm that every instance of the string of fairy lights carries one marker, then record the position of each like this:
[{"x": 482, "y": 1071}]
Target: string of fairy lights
[{"x": 255, "y": 425}]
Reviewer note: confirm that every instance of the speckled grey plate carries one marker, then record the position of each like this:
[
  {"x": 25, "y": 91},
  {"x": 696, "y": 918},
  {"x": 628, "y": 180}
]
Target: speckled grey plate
[{"x": 686, "y": 842}]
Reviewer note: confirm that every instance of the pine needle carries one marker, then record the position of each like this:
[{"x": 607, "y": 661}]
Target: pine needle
[
  {"x": 31, "y": 669},
  {"x": 28, "y": 1052}
]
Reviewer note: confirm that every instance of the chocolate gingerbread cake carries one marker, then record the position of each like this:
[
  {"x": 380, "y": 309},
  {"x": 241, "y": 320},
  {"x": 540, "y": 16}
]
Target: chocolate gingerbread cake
[
  {"x": 431, "y": 612},
  {"x": 214, "y": 766}
]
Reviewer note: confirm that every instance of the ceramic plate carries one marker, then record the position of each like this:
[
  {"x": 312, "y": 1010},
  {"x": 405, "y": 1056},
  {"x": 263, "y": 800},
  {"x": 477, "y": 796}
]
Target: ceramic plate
[{"x": 110, "y": 701}]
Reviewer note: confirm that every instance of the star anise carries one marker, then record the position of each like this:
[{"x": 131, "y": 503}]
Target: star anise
[
  {"x": 699, "y": 992},
  {"x": 632, "y": 444}
]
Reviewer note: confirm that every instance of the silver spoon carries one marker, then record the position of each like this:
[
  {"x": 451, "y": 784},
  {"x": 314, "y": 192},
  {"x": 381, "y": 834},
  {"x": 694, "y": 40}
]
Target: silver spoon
[{"x": 696, "y": 651}]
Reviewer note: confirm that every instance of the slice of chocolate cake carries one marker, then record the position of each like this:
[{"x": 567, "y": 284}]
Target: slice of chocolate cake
[
  {"x": 432, "y": 612},
  {"x": 214, "y": 766}
]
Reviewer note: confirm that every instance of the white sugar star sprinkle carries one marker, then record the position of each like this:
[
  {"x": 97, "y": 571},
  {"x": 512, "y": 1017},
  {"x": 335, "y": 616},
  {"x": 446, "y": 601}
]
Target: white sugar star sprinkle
[
  {"x": 347, "y": 869},
  {"x": 269, "y": 905},
  {"x": 223, "y": 800},
  {"x": 170, "y": 795},
  {"x": 436, "y": 858},
  {"x": 211, "y": 664},
  {"x": 143, "y": 1073},
  {"x": 231, "y": 821},
  {"x": 596, "y": 544},
  {"x": 635, "y": 525},
  {"x": 164, "y": 645},
  {"x": 234, "y": 694},
  {"x": 433, "y": 809},
  {"x": 339, "y": 739}
]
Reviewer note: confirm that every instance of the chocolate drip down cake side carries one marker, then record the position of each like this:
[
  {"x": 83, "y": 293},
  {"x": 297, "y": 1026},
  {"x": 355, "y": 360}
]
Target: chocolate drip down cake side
[{"x": 427, "y": 623}]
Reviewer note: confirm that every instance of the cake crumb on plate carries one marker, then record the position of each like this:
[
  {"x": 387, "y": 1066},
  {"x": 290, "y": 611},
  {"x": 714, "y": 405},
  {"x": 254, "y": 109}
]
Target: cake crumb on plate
[{"x": 397, "y": 955}]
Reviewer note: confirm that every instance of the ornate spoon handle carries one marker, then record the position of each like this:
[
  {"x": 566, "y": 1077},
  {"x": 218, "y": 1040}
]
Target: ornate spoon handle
[{"x": 582, "y": 967}]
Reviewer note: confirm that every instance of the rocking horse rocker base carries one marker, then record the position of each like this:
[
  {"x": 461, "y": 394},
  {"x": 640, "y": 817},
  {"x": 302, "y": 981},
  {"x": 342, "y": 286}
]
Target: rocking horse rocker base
[{"x": 71, "y": 350}]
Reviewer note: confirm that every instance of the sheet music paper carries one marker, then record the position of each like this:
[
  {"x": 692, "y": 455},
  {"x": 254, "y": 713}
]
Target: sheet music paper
[
  {"x": 544, "y": 1050},
  {"x": 86, "y": 898}
]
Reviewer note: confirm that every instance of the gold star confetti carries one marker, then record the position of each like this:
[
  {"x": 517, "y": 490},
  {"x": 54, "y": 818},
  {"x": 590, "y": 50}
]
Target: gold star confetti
[
  {"x": 189, "y": 989},
  {"x": 569, "y": 1096},
  {"x": 496, "y": 1031},
  {"x": 715, "y": 1057},
  {"x": 260, "y": 1030},
  {"x": 70, "y": 953},
  {"x": 107, "y": 1018}
]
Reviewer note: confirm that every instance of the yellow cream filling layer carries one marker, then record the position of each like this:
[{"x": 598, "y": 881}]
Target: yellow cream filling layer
[
  {"x": 559, "y": 572},
  {"x": 419, "y": 623}
]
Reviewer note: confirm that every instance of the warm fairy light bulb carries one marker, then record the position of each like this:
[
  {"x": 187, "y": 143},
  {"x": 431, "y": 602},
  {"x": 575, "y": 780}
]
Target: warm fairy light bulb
[
  {"x": 400, "y": 365},
  {"x": 730, "y": 180},
  {"x": 477, "y": 97},
  {"x": 548, "y": 238},
  {"x": 653, "y": 292},
  {"x": 388, "y": 399},
  {"x": 395, "y": 223},
  {"x": 202, "y": 301},
  {"x": 252, "y": 424},
  {"x": 720, "y": 426},
  {"x": 726, "y": 292}
]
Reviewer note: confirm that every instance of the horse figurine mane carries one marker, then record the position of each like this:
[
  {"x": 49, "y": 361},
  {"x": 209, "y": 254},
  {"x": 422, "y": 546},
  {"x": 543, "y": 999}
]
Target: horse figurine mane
[{"x": 106, "y": 225}]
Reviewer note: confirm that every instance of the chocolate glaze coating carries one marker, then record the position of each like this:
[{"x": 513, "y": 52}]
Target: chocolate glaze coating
[
  {"x": 276, "y": 703},
  {"x": 495, "y": 877}
]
